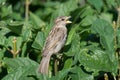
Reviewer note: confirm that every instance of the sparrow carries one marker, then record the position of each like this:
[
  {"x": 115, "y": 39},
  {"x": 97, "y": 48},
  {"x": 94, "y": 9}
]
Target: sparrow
[{"x": 54, "y": 42}]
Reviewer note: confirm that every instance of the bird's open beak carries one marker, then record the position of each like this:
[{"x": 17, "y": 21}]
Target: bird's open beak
[{"x": 67, "y": 20}]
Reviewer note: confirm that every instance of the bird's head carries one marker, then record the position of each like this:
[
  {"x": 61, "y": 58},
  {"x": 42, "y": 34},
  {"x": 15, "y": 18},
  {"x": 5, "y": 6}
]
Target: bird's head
[{"x": 63, "y": 20}]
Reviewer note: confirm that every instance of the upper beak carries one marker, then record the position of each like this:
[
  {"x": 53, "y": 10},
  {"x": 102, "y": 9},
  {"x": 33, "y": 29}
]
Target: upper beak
[{"x": 67, "y": 19}]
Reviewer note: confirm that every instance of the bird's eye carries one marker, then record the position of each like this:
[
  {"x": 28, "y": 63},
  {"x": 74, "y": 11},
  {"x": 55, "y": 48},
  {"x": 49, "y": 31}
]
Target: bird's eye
[{"x": 62, "y": 19}]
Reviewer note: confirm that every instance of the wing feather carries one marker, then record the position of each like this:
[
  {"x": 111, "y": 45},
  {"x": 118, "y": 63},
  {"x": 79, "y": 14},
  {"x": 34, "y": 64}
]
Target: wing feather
[{"x": 55, "y": 40}]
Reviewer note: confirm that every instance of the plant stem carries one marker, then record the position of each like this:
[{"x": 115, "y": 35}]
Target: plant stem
[
  {"x": 14, "y": 48},
  {"x": 55, "y": 66},
  {"x": 27, "y": 9},
  {"x": 118, "y": 20}
]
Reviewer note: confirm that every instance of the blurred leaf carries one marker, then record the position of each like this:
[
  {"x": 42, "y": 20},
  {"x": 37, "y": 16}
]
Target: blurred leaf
[
  {"x": 36, "y": 21},
  {"x": 88, "y": 20},
  {"x": 96, "y": 3},
  {"x": 71, "y": 34},
  {"x": 73, "y": 48},
  {"x": 68, "y": 63},
  {"x": 106, "y": 33},
  {"x": 15, "y": 26},
  {"x": 20, "y": 68},
  {"x": 39, "y": 41},
  {"x": 2, "y": 51},
  {"x": 6, "y": 11},
  {"x": 99, "y": 58},
  {"x": 2, "y": 40},
  {"x": 112, "y": 3},
  {"x": 79, "y": 74},
  {"x": 65, "y": 8},
  {"x": 86, "y": 11},
  {"x": 2, "y": 1},
  {"x": 107, "y": 17},
  {"x": 61, "y": 74},
  {"x": 26, "y": 32},
  {"x": 21, "y": 73},
  {"x": 25, "y": 63}
]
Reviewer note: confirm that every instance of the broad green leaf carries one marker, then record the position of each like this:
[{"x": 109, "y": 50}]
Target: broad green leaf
[
  {"x": 74, "y": 47},
  {"x": 39, "y": 41},
  {"x": 61, "y": 74},
  {"x": 14, "y": 64},
  {"x": 2, "y": 51},
  {"x": 68, "y": 63},
  {"x": 106, "y": 33},
  {"x": 112, "y": 3},
  {"x": 71, "y": 34},
  {"x": 26, "y": 32},
  {"x": 2, "y": 40},
  {"x": 86, "y": 11},
  {"x": 107, "y": 17},
  {"x": 22, "y": 73},
  {"x": 79, "y": 74},
  {"x": 65, "y": 8},
  {"x": 88, "y": 20},
  {"x": 38, "y": 23},
  {"x": 15, "y": 26},
  {"x": 99, "y": 59},
  {"x": 96, "y": 3},
  {"x": 6, "y": 11}
]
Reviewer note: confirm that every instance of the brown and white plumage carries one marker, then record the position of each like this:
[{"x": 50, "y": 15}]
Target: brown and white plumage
[{"x": 54, "y": 42}]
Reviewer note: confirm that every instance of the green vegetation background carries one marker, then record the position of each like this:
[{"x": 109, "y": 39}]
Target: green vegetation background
[{"x": 90, "y": 53}]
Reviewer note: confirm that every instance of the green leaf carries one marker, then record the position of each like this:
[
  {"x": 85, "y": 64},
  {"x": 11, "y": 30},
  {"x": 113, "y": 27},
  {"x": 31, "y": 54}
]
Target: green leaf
[
  {"x": 26, "y": 32},
  {"x": 71, "y": 34},
  {"x": 15, "y": 26},
  {"x": 96, "y": 3},
  {"x": 107, "y": 17},
  {"x": 61, "y": 74},
  {"x": 86, "y": 11},
  {"x": 112, "y": 3},
  {"x": 88, "y": 20},
  {"x": 2, "y": 40},
  {"x": 36, "y": 21},
  {"x": 106, "y": 33},
  {"x": 6, "y": 11},
  {"x": 68, "y": 63},
  {"x": 65, "y": 8},
  {"x": 20, "y": 68},
  {"x": 22, "y": 73},
  {"x": 99, "y": 59},
  {"x": 73, "y": 48},
  {"x": 39, "y": 41},
  {"x": 14, "y": 64},
  {"x": 79, "y": 74}
]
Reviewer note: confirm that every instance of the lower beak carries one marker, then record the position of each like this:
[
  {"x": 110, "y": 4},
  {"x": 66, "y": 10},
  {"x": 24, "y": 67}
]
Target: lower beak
[{"x": 68, "y": 21}]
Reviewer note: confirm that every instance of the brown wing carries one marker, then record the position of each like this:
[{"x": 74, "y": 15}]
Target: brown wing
[{"x": 54, "y": 39}]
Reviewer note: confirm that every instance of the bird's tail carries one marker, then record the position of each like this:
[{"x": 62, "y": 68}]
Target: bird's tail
[{"x": 44, "y": 64}]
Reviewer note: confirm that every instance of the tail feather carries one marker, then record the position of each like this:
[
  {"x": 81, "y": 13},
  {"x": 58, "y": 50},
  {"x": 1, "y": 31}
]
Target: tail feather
[{"x": 44, "y": 64}]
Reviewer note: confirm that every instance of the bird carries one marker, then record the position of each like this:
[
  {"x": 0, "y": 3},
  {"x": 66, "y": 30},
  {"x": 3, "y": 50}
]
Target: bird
[{"x": 54, "y": 42}]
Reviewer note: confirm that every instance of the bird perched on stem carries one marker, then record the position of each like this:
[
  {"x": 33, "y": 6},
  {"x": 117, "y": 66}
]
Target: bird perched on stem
[{"x": 54, "y": 42}]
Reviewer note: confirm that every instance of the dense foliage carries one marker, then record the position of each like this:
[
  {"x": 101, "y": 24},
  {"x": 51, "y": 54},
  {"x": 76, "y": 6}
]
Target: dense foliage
[{"x": 90, "y": 53}]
